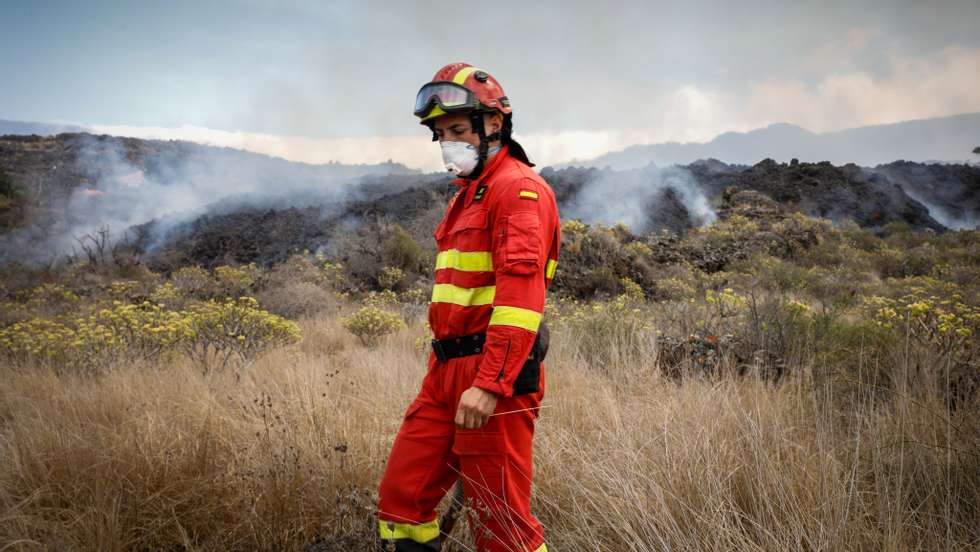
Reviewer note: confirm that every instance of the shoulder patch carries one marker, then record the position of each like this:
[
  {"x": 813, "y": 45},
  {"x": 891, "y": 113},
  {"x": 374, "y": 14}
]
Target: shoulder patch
[{"x": 528, "y": 194}]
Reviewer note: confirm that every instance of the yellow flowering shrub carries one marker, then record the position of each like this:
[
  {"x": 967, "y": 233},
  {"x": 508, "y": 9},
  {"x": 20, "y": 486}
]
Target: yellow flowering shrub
[
  {"x": 191, "y": 281},
  {"x": 125, "y": 332},
  {"x": 371, "y": 324},
  {"x": 632, "y": 290},
  {"x": 673, "y": 288},
  {"x": 414, "y": 296},
  {"x": 220, "y": 332},
  {"x": 726, "y": 302},
  {"x": 235, "y": 281},
  {"x": 334, "y": 274},
  {"x": 574, "y": 226},
  {"x": 49, "y": 299},
  {"x": 943, "y": 321},
  {"x": 166, "y": 294},
  {"x": 381, "y": 299},
  {"x": 123, "y": 290},
  {"x": 796, "y": 307},
  {"x": 601, "y": 330},
  {"x": 390, "y": 277},
  {"x": 119, "y": 332},
  {"x": 638, "y": 249}
]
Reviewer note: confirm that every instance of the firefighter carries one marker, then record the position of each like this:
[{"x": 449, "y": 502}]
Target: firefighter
[{"x": 474, "y": 416}]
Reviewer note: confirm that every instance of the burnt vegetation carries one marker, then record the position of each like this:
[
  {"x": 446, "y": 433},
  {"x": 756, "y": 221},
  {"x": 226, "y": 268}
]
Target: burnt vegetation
[{"x": 204, "y": 373}]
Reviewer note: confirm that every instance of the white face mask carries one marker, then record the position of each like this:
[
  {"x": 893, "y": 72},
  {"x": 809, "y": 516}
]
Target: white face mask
[{"x": 460, "y": 158}]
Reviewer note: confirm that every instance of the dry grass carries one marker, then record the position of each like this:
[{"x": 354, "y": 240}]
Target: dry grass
[{"x": 158, "y": 457}]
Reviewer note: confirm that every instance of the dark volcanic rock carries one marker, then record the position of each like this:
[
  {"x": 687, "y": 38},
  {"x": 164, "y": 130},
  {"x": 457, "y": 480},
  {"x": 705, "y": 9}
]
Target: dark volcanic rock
[
  {"x": 823, "y": 190},
  {"x": 264, "y": 237},
  {"x": 668, "y": 212},
  {"x": 951, "y": 192},
  {"x": 292, "y": 206},
  {"x": 750, "y": 204}
]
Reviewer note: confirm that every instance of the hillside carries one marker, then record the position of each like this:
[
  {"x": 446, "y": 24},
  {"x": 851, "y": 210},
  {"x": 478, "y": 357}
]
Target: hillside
[
  {"x": 949, "y": 139},
  {"x": 180, "y": 203},
  {"x": 42, "y": 129}
]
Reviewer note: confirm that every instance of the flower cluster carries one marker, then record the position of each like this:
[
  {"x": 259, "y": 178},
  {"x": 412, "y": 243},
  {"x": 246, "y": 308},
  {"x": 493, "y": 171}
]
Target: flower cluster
[
  {"x": 941, "y": 320},
  {"x": 233, "y": 281},
  {"x": 574, "y": 226},
  {"x": 119, "y": 332},
  {"x": 797, "y": 307},
  {"x": 390, "y": 277},
  {"x": 727, "y": 301},
  {"x": 222, "y": 331},
  {"x": 124, "y": 332},
  {"x": 370, "y": 324}
]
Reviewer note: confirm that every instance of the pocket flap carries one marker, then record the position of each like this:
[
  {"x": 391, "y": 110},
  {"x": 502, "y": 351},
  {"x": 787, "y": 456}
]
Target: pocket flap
[{"x": 473, "y": 219}]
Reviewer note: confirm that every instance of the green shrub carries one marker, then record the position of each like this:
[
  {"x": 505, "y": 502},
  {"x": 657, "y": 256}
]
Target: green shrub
[{"x": 400, "y": 250}]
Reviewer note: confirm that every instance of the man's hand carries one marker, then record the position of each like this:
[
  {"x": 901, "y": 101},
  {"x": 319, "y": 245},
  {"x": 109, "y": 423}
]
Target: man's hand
[{"x": 475, "y": 407}]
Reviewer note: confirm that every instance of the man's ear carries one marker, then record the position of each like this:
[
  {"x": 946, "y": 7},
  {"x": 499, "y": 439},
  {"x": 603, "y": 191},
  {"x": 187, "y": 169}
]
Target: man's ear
[{"x": 496, "y": 123}]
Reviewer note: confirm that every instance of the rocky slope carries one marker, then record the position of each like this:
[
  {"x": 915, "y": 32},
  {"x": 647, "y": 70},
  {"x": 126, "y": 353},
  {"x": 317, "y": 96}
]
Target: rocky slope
[{"x": 260, "y": 209}]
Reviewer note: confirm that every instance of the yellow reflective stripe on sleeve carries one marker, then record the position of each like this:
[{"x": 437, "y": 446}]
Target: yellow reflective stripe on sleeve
[
  {"x": 422, "y": 532},
  {"x": 448, "y": 293},
  {"x": 549, "y": 270},
  {"x": 515, "y": 316},
  {"x": 460, "y": 77},
  {"x": 528, "y": 194},
  {"x": 469, "y": 261},
  {"x": 541, "y": 548}
]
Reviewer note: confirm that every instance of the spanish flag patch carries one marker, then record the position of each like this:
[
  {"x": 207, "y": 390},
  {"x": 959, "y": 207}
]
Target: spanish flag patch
[{"x": 528, "y": 194}]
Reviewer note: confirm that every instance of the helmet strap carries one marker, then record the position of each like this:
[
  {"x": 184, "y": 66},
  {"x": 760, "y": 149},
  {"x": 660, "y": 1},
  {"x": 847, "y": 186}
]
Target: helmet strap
[{"x": 476, "y": 121}]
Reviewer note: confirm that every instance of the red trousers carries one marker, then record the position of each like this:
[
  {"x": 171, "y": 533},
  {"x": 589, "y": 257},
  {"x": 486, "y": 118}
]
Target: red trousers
[{"x": 430, "y": 453}]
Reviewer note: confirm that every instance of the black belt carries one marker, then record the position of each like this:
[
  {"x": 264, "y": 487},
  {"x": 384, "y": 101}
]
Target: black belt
[
  {"x": 527, "y": 380},
  {"x": 472, "y": 344},
  {"x": 455, "y": 347}
]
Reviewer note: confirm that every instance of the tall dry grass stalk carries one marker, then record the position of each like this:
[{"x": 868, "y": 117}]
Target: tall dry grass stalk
[{"x": 159, "y": 457}]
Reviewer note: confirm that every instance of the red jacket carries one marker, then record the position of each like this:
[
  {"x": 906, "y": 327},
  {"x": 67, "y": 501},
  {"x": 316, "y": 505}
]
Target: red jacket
[{"x": 497, "y": 253}]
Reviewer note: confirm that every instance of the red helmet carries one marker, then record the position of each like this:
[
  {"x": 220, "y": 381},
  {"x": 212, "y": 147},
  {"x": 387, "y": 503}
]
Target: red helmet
[{"x": 460, "y": 87}]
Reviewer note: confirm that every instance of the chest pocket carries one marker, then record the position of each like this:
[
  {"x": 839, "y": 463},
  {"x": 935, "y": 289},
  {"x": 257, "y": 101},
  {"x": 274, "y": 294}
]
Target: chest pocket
[
  {"x": 519, "y": 249},
  {"x": 468, "y": 233}
]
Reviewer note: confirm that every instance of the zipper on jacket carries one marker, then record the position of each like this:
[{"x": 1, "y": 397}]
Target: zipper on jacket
[{"x": 506, "y": 352}]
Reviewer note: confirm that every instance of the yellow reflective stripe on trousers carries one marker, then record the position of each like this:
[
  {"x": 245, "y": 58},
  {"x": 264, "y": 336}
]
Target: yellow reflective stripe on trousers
[
  {"x": 462, "y": 74},
  {"x": 541, "y": 548},
  {"x": 549, "y": 270},
  {"x": 469, "y": 261},
  {"x": 422, "y": 532},
  {"x": 448, "y": 293},
  {"x": 515, "y": 316}
]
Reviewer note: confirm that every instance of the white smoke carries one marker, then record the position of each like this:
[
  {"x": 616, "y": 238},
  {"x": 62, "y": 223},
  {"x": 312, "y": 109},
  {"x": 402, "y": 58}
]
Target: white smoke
[
  {"x": 634, "y": 198},
  {"x": 172, "y": 183}
]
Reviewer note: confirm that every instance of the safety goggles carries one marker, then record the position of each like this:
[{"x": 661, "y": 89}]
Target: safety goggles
[{"x": 447, "y": 95}]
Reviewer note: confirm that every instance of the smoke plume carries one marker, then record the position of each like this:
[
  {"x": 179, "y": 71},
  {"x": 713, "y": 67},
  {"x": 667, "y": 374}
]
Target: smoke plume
[{"x": 643, "y": 199}]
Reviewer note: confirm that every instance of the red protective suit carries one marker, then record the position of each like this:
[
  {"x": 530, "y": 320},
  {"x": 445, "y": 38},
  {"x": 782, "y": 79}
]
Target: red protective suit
[{"x": 497, "y": 252}]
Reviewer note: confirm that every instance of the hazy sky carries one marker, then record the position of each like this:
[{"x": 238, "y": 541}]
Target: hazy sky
[{"x": 322, "y": 80}]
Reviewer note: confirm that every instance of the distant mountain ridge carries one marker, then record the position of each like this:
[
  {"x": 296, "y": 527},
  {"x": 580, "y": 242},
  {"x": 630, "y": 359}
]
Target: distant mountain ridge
[
  {"x": 945, "y": 139},
  {"x": 25, "y": 128}
]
